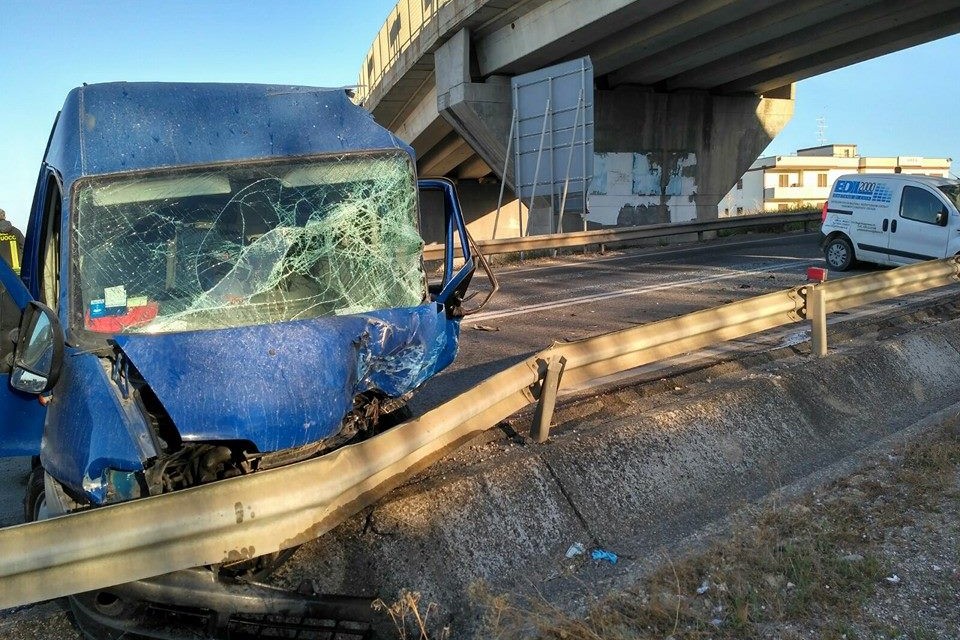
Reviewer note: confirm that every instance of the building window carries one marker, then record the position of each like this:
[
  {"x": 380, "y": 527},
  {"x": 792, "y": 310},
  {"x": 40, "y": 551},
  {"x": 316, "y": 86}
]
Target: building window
[
  {"x": 784, "y": 180},
  {"x": 726, "y": 211},
  {"x": 739, "y": 210},
  {"x": 740, "y": 183},
  {"x": 821, "y": 179}
]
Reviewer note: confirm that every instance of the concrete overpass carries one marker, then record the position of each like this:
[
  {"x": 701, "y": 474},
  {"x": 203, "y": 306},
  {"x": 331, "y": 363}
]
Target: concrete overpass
[{"x": 710, "y": 81}]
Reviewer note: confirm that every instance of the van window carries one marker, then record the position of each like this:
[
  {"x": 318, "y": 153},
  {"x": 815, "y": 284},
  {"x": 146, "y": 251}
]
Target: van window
[
  {"x": 49, "y": 267},
  {"x": 952, "y": 191},
  {"x": 920, "y": 205}
]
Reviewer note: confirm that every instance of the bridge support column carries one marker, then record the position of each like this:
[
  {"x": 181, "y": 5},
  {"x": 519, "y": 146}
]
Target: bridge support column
[
  {"x": 480, "y": 112},
  {"x": 683, "y": 151}
]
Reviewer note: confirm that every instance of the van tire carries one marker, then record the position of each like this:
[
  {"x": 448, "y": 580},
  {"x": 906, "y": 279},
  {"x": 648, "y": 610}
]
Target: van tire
[
  {"x": 34, "y": 501},
  {"x": 838, "y": 253}
]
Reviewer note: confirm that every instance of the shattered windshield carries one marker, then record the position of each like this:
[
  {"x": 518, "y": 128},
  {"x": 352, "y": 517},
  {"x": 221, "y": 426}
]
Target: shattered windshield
[{"x": 248, "y": 244}]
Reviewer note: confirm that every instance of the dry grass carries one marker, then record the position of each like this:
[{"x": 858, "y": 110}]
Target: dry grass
[{"x": 411, "y": 623}]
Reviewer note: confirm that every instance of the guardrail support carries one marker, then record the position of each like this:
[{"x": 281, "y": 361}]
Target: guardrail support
[
  {"x": 548, "y": 399},
  {"x": 817, "y": 313}
]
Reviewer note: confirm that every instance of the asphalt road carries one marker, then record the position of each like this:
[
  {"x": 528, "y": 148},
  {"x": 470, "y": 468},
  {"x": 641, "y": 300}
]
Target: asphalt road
[{"x": 580, "y": 296}]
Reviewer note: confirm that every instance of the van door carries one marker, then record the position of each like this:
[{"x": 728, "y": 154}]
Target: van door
[
  {"x": 919, "y": 231},
  {"x": 863, "y": 214},
  {"x": 21, "y": 414}
]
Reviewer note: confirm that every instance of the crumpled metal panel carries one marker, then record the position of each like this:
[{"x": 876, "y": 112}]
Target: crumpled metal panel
[
  {"x": 91, "y": 427},
  {"x": 287, "y": 384}
]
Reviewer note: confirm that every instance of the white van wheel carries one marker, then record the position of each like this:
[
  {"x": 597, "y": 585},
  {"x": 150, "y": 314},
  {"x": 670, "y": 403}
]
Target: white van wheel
[{"x": 839, "y": 253}]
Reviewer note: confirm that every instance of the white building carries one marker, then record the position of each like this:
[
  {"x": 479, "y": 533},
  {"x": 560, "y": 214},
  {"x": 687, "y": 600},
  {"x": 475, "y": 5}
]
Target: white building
[{"x": 782, "y": 183}]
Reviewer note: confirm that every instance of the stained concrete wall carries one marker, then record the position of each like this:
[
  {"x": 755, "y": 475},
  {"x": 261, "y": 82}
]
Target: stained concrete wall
[
  {"x": 478, "y": 199},
  {"x": 723, "y": 134},
  {"x": 632, "y": 480}
]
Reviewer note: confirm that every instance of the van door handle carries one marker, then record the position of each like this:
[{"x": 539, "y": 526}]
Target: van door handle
[
  {"x": 893, "y": 226},
  {"x": 886, "y": 223}
]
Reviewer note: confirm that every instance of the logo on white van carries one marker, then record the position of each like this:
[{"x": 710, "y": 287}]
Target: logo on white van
[{"x": 862, "y": 191}]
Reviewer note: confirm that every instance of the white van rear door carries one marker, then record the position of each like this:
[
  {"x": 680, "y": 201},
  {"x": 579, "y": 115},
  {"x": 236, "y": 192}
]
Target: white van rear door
[{"x": 919, "y": 232}]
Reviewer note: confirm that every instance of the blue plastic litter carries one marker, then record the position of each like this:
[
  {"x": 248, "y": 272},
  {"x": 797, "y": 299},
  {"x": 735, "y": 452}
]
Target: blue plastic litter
[{"x": 601, "y": 554}]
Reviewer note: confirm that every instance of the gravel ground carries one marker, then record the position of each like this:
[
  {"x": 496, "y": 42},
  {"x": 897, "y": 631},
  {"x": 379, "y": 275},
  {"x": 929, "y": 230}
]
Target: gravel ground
[{"x": 920, "y": 595}]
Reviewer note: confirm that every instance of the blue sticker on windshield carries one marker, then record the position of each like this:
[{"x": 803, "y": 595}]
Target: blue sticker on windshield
[
  {"x": 862, "y": 191},
  {"x": 98, "y": 308}
]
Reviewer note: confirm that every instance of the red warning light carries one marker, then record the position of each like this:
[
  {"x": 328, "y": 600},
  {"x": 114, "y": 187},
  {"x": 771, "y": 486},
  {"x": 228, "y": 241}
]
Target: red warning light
[{"x": 817, "y": 274}]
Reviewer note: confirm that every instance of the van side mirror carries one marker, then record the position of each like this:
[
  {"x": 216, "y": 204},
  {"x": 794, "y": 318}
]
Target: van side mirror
[
  {"x": 942, "y": 217},
  {"x": 38, "y": 356}
]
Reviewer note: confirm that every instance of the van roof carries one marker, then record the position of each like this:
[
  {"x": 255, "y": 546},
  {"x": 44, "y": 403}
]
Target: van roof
[
  {"x": 932, "y": 181},
  {"x": 130, "y": 126}
]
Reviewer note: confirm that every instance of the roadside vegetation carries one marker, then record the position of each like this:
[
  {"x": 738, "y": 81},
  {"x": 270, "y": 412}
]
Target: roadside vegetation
[{"x": 870, "y": 556}]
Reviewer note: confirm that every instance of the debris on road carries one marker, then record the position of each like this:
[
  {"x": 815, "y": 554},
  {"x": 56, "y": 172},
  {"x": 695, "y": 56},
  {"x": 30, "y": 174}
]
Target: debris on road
[{"x": 602, "y": 555}]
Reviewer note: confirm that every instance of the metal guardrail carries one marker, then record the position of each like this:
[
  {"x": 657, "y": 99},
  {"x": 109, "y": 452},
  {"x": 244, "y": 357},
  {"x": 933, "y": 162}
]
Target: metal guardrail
[
  {"x": 837, "y": 295},
  {"x": 280, "y": 508},
  {"x": 624, "y": 234}
]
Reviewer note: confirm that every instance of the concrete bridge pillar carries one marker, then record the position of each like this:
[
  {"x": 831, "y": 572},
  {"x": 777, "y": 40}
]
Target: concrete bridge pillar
[
  {"x": 692, "y": 146},
  {"x": 659, "y": 157}
]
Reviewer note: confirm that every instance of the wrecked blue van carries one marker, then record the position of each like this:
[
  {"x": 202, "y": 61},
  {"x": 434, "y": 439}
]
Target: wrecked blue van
[{"x": 217, "y": 279}]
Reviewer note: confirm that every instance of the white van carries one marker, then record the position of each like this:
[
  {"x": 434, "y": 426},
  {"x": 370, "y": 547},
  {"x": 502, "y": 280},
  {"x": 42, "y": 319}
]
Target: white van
[{"x": 890, "y": 219}]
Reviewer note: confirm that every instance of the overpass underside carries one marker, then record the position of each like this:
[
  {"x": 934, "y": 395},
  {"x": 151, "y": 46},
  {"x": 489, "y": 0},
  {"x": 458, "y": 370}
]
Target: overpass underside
[{"x": 695, "y": 88}]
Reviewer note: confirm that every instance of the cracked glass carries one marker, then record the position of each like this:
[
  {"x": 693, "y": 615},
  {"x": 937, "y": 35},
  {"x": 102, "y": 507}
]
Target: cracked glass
[{"x": 237, "y": 245}]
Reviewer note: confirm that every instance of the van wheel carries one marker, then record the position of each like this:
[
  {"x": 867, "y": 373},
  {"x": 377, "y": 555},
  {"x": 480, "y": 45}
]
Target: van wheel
[
  {"x": 35, "y": 500},
  {"x": 839, "y": 254}
]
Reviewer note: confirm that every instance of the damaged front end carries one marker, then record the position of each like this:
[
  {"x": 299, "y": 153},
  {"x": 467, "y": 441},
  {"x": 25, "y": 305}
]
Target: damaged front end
[
  {"x": 232, "y": 320},
  {"x": 244, "y": 316}
]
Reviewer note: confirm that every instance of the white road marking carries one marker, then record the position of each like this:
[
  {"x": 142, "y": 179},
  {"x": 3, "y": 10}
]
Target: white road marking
[{"x": 569, "y": 302}]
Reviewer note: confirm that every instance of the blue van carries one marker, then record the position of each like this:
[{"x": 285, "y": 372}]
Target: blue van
[{"x": 217, "y": 279}]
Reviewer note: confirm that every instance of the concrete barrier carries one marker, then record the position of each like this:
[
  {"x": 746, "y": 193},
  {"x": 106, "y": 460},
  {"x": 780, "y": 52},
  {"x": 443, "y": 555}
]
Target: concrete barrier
[{"x": 634, "y": 482}]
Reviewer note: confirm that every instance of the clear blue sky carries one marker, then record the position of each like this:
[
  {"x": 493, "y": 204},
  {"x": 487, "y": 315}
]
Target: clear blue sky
[{"x": 902, "y": 104}]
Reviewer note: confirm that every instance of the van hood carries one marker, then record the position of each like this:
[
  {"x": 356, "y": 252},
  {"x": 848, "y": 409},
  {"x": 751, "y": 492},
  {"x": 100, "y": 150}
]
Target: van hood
[{"x": 288, "y": 384}]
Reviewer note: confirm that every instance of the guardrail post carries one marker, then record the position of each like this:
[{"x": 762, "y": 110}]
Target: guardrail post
[
  {"x": 548, "y": 399},
  {"x": 817, "y": 313}
]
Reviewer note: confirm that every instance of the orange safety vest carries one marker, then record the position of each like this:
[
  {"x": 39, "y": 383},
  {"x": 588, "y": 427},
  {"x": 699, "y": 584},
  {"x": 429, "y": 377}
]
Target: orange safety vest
[{"x": 9, "y": 251}]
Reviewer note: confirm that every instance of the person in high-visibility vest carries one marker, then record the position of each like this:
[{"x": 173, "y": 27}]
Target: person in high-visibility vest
[{"x": 11, "y": 242}]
